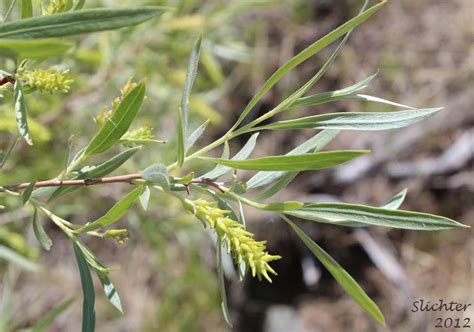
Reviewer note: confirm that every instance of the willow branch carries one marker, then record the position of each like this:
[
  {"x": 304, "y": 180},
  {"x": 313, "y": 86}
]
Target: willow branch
[{"x": 128, "y": 178}]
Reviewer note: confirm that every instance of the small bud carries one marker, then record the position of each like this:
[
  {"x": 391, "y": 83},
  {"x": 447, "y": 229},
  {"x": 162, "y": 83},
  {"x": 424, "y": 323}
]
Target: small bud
[{"x": 120, "y": 235}]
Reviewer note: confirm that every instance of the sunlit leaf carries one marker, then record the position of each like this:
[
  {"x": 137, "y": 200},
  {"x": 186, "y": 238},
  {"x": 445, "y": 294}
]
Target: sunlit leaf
[
  {"x": 315, "y": 143},
  {"x": 301, "y": 162},
  {"x": 341, "y": 276},
  {"x": 88, "y": 306},
  {"x": 26, "y": 9},
  {"x": 353, "y": 214},
  {"x": 20, "y": 111},
  {"x": 25, "y": 196},
  {"x": 115, "y": 213},
  {"x": 195, "y": 135},
  {"x": 307, "y": 53},
  {"x": 220, "y": 269},
  {"x": 355, "y": 120},
  {"x": 4, "y": 156},
  {"x": 78, "y": 22},
  {"x": 40, "y": 233},
  {"x": 184, "y": 109},
  {"x": 243, "y": 154},
  {"x": 110, "y": 291},
  {"x": 396, "y": 201},
  {"x": 37, "y": 48},
  {"x": 114, "y": 128}
]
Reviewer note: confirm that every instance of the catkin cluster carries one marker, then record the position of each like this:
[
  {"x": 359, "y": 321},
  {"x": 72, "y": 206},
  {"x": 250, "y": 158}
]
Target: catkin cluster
[
  {"x": 238, "y": 241},
  {"x": 50, "y": 80}
]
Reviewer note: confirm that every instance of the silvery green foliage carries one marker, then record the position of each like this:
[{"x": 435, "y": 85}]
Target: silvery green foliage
[{"x": 39, "y": 37}]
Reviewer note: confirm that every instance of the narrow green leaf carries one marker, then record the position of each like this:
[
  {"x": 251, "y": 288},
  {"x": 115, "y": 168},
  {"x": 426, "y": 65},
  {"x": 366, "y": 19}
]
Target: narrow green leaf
[
  {"x": 15, "y": 258},
  {"x": 145, "y": 198},
  {"x": 49, "y": 317},
  {"x": 97, "y": 171},
  {"x": 92, "y": 259},
  {"x": 117, "y": 126},
  {"x": 4, "y": 156},
  {"x": 184, "y": 110},
  {"x": 25, "y": 196},
  {"x": 396, "y": 201},
  {"x": 78, "y": 22},
  {"x": 373, "y": 99},
  {"x": 220, "y": 269},
  {"x": 9, "y": 11},
  {"x": 342, "y": 277},
  {"x": 300, "y": 162},
  {"x": 110, "y": 291},
  {"x": 26, "y": 9},
  {"x": 88, "y": 311},
  {"x": 20, "y": 112},
  {"x": 195, "y": 135},
  {"x": 307, "y": 53},
  {"x": 282, "y": 206},
  {"x": 326, "y": 97},
  {"x": 79, "y": 5},
  {"x": 40, "y": 233},
  {"x": 353, "y": 214},
  {"x": 243, "y": 154},
  {"x": 157, "y": 174},
  {"x": 115, "y": 213},
  {"x": 355, "y": 120},
  {"x": 316, "y": 143}
]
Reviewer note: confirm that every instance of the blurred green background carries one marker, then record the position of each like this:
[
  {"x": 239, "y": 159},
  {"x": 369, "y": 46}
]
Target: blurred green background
[{"x": 423, "y": 52}]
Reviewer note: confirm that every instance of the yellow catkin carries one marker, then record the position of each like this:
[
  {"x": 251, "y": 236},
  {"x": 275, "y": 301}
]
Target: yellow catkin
[
  {"x": 49, "y": 80},
  {"x": 238, "y": 241}
]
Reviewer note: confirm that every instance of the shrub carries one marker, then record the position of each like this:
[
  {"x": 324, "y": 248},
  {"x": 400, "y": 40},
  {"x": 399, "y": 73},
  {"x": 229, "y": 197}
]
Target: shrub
[{"x": 211, "y": 201}]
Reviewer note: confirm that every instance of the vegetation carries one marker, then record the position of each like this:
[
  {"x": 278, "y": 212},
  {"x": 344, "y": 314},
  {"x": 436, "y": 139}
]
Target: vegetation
[{"x": 26, "y": 46}]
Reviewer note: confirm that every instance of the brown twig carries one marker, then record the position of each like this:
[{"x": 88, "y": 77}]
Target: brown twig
[
  {"x": 84, "y": 182},
  {"x": 128, "y": 178}
]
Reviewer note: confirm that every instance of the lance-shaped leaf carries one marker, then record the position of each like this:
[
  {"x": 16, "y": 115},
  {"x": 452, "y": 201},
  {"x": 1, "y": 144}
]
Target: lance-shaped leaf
[
  {"x": 184, "y": 109},
  {"x": 220, "y": 269},
  {"x": 110, "y": 291},
  {"x": 342, "y": 277},
  {"x": 243, "y": 154},
  {"x": 79, "y": 5},
  {"x": 353, "y": 215},
  {"x": 326, "y": 97},
  {"x": 40, "y": 233},
  {"x": 115, "y": 127},
  {"x": 355, "y": 120},
  {"x": 4, "y": 156},
  {"x": 307, "y": 53},
  {"x": 195, "y": 135},
  {"x": 97, "y": 171},
  {"x": 300, "y": 162},
  {"x": 396, "y": 201},
  {"x": 26, "y": 9},
  {"x": 15, "y": 258},
  {"x": 38, "y": 48},
  {"x": 20, "y": 112},
  {"x": 25, "y": 196},
  {"x": 74, "y": 23},
  {"x": 316, "y": 143},
  {"x": 88, "y": 305},
  {"x": 115, "y": 213},
  {"x": 50, "y": 316}
]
